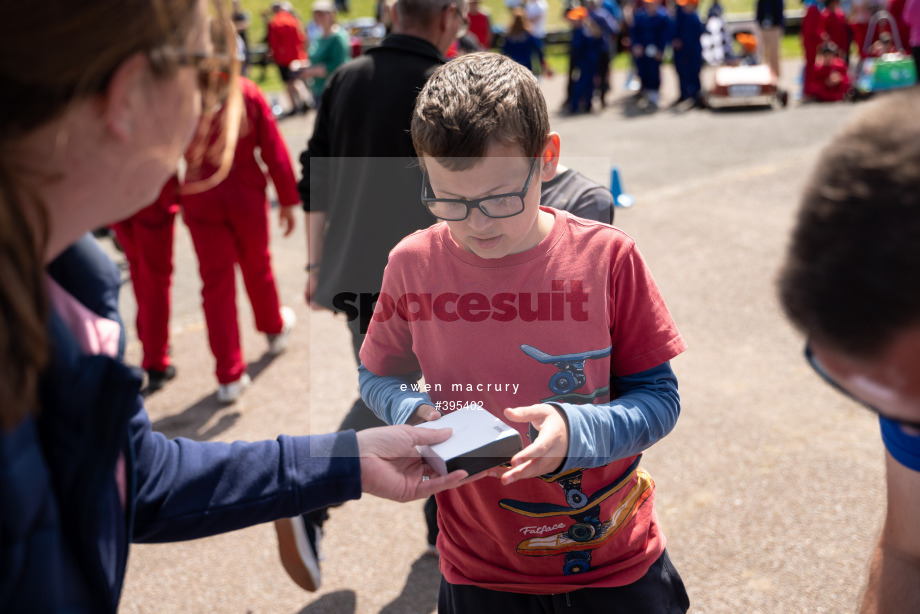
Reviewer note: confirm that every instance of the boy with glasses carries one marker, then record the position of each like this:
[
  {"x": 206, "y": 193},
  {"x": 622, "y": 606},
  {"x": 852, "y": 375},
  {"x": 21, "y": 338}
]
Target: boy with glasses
[
  {"x": 544, "y": 319},
  {"x": 850, "y": 283}
]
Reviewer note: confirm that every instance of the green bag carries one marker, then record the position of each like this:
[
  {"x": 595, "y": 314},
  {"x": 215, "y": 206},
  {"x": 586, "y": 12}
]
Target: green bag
[{"x": 890, "y": 72}]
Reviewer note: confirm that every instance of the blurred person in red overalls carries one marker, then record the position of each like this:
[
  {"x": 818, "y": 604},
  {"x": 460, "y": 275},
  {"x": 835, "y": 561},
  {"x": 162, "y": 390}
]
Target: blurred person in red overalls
[
  {"x": 229, "y": 224},
  {"x": 147, "y": 239},
  {"x": 810, "y": 33},
  {"x": 835, "y": 27}
]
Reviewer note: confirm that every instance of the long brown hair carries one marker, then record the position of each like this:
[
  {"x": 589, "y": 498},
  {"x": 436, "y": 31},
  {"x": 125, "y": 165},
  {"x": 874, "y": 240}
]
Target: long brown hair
[
  {"x": 519, "y": 23},
  {"x": 53, "y": 53}
]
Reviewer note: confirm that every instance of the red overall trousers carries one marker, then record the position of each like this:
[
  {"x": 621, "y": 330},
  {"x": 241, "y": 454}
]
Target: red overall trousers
[
  {"x": 229, "y": 227},
  {"x": 147, "y": 238}
]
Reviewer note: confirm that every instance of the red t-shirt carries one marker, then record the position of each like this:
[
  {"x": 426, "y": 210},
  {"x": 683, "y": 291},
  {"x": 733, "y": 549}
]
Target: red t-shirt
[{"x": 471, "y": 325}]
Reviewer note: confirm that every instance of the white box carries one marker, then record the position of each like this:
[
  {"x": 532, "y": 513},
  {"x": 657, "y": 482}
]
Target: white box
[{"x": 479, "y": 441}]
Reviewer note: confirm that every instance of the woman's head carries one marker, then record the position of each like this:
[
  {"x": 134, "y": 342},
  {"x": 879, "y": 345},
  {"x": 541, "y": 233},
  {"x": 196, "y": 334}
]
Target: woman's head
[
  {"x": 55, "y": 51},
  {"x": 98, "y": 100},
  {"x": 120, "y": 78}
]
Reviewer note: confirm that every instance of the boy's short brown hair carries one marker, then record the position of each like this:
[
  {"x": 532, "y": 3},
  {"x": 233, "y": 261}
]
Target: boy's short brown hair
[{"x": 476, "y": 100}]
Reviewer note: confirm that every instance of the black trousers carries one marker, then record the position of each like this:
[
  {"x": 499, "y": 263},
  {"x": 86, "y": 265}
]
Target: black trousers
[{"x": 659, "y": 591}]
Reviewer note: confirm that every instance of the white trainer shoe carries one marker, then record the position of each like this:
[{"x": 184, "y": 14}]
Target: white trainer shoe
[
  {"x": 278, "y": 343},
  {"x": 230, "y": 393}
]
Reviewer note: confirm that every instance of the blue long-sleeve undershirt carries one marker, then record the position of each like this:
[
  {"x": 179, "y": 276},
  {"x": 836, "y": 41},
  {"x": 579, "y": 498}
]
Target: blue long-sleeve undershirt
[
  {"x": 385, "y": 396},
  {"x": 646, "y": 411}
]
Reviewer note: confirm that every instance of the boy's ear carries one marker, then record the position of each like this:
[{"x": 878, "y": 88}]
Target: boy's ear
[{"x": 550, "y": 157}]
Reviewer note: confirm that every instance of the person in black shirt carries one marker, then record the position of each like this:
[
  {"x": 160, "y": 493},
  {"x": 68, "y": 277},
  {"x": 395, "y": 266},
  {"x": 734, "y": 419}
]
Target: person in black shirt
[{"x": 360, "y": 189}]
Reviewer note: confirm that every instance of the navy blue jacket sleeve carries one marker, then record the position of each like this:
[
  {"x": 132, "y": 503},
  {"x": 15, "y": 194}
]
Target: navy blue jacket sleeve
[{"x": 189, "y": 489}]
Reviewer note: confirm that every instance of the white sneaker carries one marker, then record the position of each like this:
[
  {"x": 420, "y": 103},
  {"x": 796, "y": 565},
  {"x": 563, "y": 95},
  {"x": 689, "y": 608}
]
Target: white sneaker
[
  {"x": 278, "y": 343},
  {"x": 230, "y": 393}
]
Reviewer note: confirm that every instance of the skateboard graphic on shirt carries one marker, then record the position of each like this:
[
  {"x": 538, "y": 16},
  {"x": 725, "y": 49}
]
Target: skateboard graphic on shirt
[
  {"x": 571, "y": 374},
  {"x": 588, "y": 532}
]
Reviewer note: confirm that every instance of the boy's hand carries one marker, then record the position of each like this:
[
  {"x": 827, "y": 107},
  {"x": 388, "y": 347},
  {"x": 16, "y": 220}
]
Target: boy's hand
[
  {"x": 548, "y": 451},
  {"x": 423, "y": 413}
]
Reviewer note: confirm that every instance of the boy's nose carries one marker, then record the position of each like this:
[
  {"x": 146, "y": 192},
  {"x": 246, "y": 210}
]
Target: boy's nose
[{"x": 478, "y": 220}]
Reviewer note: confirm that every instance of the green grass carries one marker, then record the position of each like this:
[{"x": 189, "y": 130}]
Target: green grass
[
  {"x": 496, "y": 8},
  {"x": 366, "y": 8},
  {"x": 269, "y": 80}
]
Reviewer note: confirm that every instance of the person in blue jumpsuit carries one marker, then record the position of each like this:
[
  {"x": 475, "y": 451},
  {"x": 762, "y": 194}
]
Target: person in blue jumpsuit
[
  {"x": 584, "y": 56},
  {"x": 609, "y": 14},
  {"x": 688, "y": 51},
  {"x": 593, "y": 27},
  {"x": 649, "y": 38}
]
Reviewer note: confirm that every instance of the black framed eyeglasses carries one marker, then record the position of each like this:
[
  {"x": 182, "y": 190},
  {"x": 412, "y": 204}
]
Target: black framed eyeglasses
[
  {"x": 819, "y": 369},
  {"x": 495, "y": 206}
]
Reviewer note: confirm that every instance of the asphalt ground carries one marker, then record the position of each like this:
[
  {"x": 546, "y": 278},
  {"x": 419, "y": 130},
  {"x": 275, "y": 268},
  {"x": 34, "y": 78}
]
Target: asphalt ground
[{"x": 771, "y": 487}]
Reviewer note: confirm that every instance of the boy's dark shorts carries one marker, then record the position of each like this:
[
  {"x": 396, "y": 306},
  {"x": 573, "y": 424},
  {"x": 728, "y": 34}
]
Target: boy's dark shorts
[
  {"x": 659, "y": 591},
  {"x": 287, "y": 74}
]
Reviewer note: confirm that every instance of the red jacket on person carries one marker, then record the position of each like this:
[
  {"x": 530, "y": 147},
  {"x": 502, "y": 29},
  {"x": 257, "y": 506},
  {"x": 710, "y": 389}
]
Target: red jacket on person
[
  {"x": 481, "y": 28},
  {"x": 286, "y": 39},
  {"x": 258, "y": 129}
]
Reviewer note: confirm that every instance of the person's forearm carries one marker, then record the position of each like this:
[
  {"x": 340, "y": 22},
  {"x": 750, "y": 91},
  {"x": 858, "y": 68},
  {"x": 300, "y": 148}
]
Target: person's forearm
[
  {"x": 315, "y": 71},
  {"x": 645, "y": 412},
  {"x": 316, "y": 227},
  {"x": 894, "y": 583},
  {"x": 391, "y": 398}
]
